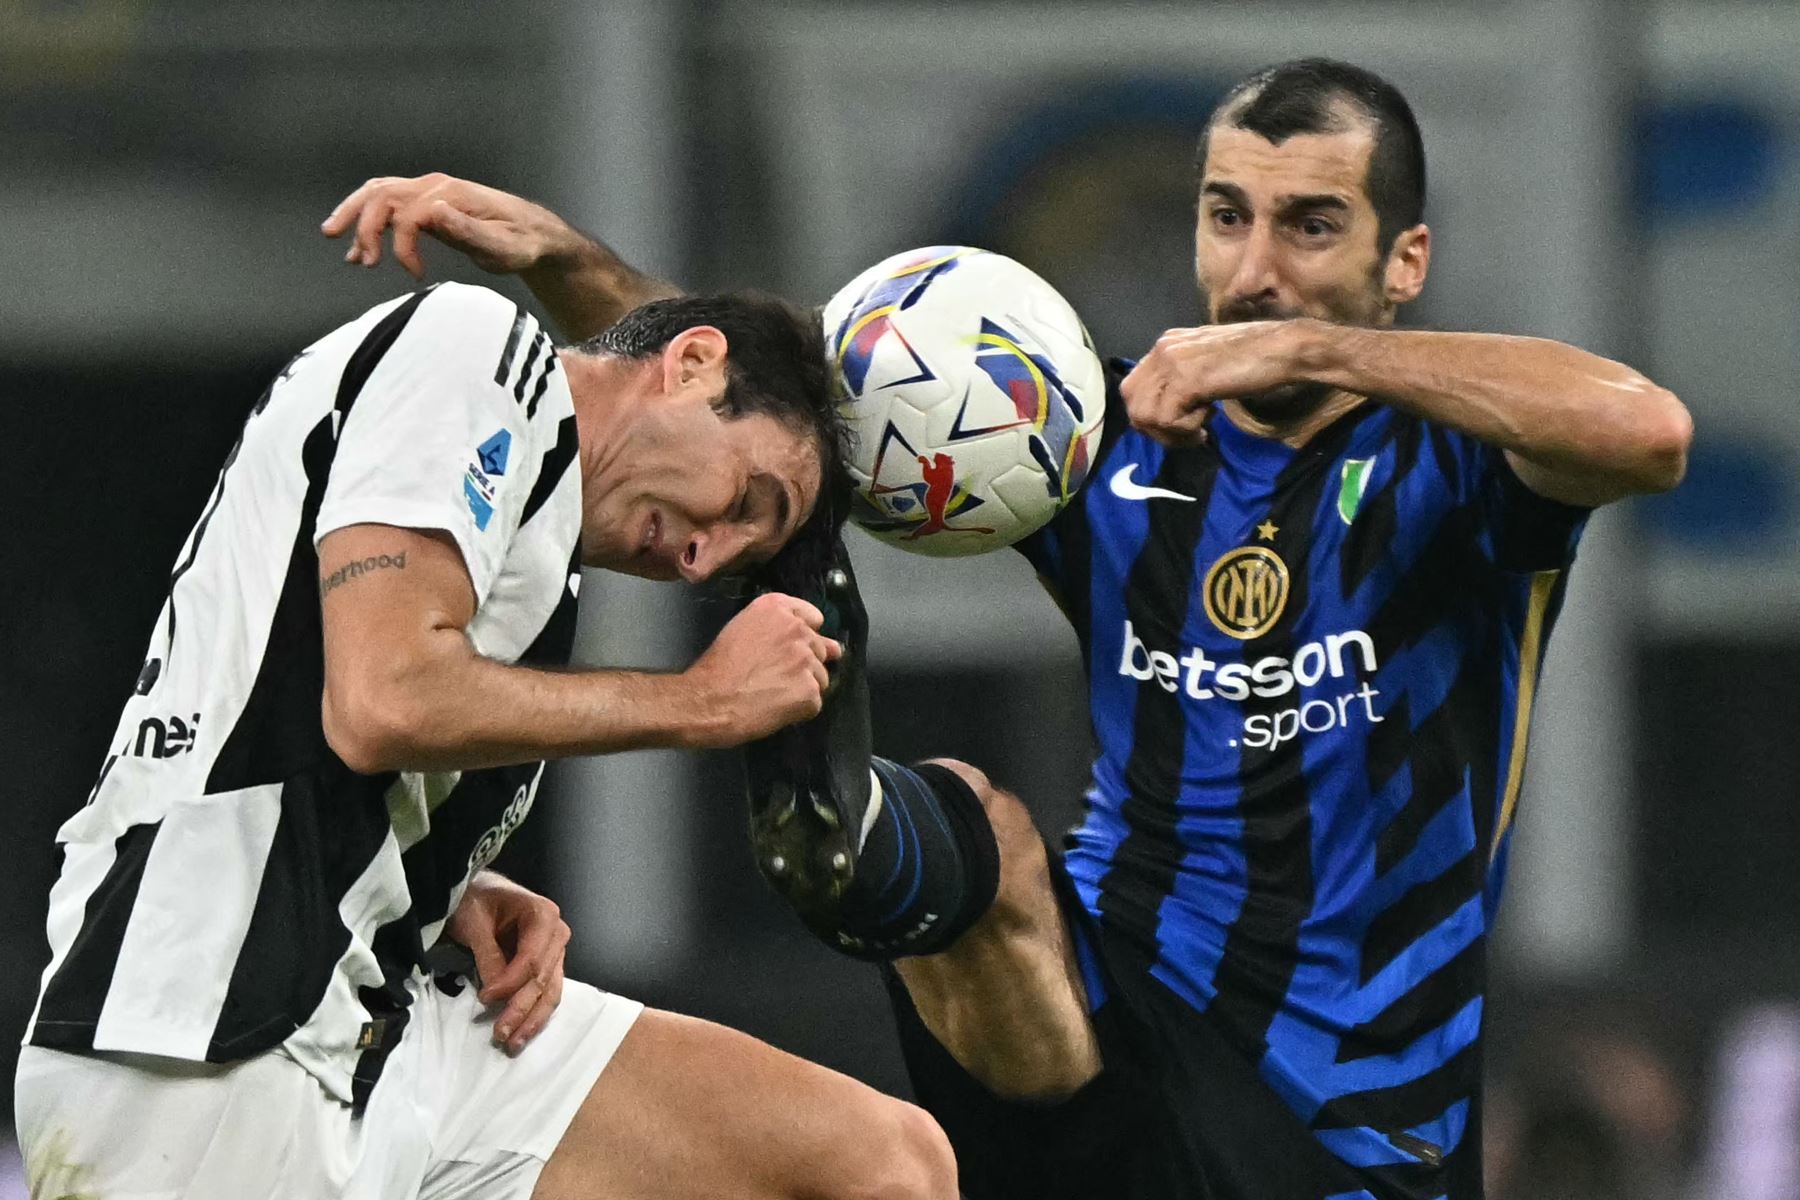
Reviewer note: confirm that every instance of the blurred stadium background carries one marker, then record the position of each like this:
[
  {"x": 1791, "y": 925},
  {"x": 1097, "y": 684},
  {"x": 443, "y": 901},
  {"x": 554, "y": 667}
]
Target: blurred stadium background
[{"x": 1622, "y": 175}]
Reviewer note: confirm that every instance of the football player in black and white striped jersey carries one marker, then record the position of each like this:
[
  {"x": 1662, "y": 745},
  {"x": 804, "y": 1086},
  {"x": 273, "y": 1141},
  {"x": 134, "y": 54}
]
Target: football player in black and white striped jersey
[{"x": 342, "y": 715}]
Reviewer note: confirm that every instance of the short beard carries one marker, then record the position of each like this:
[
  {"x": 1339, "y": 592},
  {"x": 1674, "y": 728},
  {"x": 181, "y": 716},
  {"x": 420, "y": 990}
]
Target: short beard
[
  {"x": 1291, "y": 402},
  {"x": 1288, "y": 404}
]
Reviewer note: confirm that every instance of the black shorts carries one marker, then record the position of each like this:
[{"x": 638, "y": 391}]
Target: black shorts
[{"x": 1177, "y": 1114}]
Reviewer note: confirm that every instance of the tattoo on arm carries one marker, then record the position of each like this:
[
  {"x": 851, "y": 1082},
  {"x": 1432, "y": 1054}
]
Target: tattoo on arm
[{"x": 359, "y": 568}]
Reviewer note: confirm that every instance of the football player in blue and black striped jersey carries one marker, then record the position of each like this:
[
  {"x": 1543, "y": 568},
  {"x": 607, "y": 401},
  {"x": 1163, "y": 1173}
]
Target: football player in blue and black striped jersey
[{"x": 1313, "y": 578}]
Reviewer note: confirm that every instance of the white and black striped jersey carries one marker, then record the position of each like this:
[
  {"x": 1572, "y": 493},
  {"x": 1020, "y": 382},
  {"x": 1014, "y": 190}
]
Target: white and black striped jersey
[{"x": 231, "y": 886}]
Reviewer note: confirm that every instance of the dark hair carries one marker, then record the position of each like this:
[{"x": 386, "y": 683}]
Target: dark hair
[
  {"x": 775, "y": 364},
  {"x": 1302, "y": 96}
]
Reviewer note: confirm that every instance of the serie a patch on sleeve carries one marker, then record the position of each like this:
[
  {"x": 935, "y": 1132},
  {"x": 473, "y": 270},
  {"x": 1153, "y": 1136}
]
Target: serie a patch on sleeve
[{"x": 479, "y": 486}]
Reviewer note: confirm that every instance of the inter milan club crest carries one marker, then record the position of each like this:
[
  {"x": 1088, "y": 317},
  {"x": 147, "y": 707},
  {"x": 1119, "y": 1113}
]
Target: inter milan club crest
[{"x": 1246, "y": 591}]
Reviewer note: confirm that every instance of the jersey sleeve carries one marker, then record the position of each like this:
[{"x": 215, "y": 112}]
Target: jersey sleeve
[
  {"x": 436, "y": 439},
  {"x": 1047, "y": 549},
  {"x": 1522, "y": 531}
]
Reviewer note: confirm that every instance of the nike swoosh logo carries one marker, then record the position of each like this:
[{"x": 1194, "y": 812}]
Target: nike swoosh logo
[{"x": 1123, "y": 487}]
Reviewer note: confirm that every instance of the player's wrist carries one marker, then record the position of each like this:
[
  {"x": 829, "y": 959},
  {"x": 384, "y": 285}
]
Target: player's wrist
[
  {"x": 1327, "y": 353},
  {"x": 1317, "y": 350},
  {"x": 487, "y": 880},
  {"x": 699, "y": 710},
  {"x": 583, "y": 284},
  {"x": 562, "y": 252}
]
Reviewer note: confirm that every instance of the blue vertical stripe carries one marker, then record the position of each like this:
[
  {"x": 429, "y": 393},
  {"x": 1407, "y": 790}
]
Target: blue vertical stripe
[{"x": 1339, "y": 880}]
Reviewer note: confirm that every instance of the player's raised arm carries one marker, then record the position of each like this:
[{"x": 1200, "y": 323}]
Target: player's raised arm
[
  {"x": 406, "y": 690},
  {"x": 580, "y": 281},
  {"x": 1576, "y": 427}
]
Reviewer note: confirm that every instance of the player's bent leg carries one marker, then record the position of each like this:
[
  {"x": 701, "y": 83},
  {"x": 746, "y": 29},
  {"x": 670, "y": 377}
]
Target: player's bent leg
[
  {"x": 1006, "y": 998},
  {"x": 877, "y": 859},
  {"x": 928, "y": 865},
  {"x": 689, "y": 1109}
]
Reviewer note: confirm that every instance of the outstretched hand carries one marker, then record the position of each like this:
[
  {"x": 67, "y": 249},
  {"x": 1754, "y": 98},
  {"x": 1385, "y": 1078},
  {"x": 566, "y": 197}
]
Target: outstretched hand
[
  {"x": 498, "y": 231},
  {"x": 518, "y": 939}
]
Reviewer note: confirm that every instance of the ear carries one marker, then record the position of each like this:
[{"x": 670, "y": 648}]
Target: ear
[
  {"x": 694, "y": 359},
  {"x": 1404, "y": 276}
]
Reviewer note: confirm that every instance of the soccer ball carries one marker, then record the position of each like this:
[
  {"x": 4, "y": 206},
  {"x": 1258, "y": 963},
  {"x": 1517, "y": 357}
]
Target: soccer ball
[{"x": 974, "y": 395}]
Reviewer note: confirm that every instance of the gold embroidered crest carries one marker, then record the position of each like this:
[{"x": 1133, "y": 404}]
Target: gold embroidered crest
[{"x": 1246, "y": 591}]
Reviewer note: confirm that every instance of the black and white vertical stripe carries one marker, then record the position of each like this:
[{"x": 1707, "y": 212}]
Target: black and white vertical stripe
[{"x": 248, "y": 890}]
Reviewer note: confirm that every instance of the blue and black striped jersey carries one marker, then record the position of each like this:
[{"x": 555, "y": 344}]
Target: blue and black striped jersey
[{"x": 1311, "y": 675}]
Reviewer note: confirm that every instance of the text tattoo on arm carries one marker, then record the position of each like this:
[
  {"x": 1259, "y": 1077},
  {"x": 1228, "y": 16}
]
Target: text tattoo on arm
[{"x": 360, "y": 567}]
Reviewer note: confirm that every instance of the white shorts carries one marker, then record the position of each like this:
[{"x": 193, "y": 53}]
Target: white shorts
[{"x": 452, "y": 1118}]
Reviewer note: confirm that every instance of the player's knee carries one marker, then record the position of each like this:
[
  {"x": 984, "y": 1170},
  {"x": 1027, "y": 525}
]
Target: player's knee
[
  {"x": 1010, "y": 819},
  {"x": 974, "y": 777},
  {"x": 1023, "y": 862},
  {"x": 916, "y": 1163}
]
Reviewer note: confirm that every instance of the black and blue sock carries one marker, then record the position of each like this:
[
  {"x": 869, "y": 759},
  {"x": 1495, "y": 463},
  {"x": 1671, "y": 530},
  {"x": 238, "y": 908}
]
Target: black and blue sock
[{"x": 928, "y": 867}]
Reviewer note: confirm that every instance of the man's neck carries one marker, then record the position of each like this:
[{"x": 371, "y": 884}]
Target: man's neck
[
  {"x": 1296, "y": 433},
  {"x": 600, "y": 389}
]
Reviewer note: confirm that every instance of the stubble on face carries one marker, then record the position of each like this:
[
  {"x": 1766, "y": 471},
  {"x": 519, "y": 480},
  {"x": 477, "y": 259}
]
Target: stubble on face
[
  {"x": 1294, "y": 402},
  {"x": 1356, "y": 297}
]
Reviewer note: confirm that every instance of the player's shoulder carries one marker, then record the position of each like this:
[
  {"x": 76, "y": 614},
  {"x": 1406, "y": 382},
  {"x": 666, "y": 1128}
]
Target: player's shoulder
[
  {"x": 469, "y": 308},
  {"x": 468, "y": 331},
  {"x": 1116, "y": 420},
  {"x": 459, "y": 319},
  {"x": 450, "y": 316},
  {"x": 505, "y": 342},
  {"x": 474, "y": 299},
  {"x": 1116, "y": 369}
]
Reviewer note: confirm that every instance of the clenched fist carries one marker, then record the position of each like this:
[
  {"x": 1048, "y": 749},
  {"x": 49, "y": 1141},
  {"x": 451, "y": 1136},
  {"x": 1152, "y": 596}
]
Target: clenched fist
[
  {"x": 499, "y": 232},
  {"x": 1169, "y": 391},
  {"x": 765, "y": 671}
]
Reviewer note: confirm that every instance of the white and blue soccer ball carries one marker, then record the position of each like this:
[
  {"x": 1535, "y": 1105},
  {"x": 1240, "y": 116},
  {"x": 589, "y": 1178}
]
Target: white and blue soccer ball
[{"x": 974, "y": 393}]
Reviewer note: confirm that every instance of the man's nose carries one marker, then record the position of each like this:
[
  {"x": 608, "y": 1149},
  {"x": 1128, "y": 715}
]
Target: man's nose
[
  {"x": 708, "y": 551},
  {"x": 1257, "y": 276}
]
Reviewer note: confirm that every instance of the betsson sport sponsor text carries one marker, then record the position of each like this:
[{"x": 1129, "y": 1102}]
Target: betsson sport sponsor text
[{"x": 1201, "y": 677}]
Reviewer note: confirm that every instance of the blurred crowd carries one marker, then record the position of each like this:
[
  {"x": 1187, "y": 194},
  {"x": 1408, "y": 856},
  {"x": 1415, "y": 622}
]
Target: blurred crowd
[{"x": 1615, "y": 1100}]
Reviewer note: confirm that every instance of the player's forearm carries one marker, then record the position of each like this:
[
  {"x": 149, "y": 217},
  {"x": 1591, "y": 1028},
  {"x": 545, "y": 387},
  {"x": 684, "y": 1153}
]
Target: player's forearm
[
  {"x": 586, "y": 287},
  {"x": 1545, "y": 401},
  {"x": 458, "y": 711}
]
